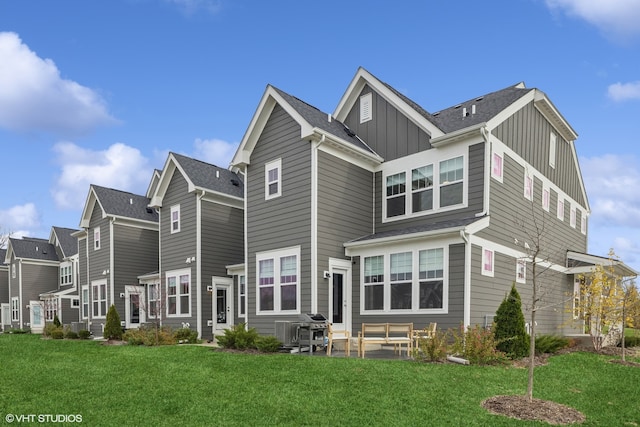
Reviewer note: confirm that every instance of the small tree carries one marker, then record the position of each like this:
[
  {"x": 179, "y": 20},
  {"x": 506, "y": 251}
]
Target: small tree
[
  {"x": 56, "y": 321},
  {"x": 112, "y": 329},
  {"x": 510, "y": 333}
]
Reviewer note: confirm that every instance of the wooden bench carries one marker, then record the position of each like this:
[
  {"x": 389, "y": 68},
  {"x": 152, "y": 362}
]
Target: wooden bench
[{"x": 398, "y": 334}]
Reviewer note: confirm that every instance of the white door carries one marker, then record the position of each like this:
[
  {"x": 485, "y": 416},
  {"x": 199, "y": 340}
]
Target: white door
[
  {"x": 134, "y": 306},
  {"x": 5, "y": 320},
  {"x": 36, "y": 317},
  {"x": 222, "y": 304},
  {"x": 340, "y": 294}
]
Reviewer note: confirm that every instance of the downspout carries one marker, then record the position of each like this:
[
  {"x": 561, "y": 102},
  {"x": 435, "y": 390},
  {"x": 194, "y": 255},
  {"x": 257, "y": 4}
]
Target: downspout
[
  {"x": 247, "y": 283},
  {"x": 314, "y": 223},
  {"x": 112, "y": 285},
  {"x": 466, "y": 317},
  {"x": 486, "y": 135},
  {"x": 159, "y": 294},
  {"x": 21, "y": 302},
  {"x": 199, "y": 265},
  {"x": 90, "y": 295}
]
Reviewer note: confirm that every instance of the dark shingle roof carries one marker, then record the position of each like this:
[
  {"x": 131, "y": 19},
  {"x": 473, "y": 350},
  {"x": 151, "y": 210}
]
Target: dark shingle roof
[
  {"x": 68, "y": 243},
  {"x": 320, "y": 120},
  {"x": 211, "y": 177},
  {"x": 33, "y": 248},
  {"x": 125, "y": 204}
]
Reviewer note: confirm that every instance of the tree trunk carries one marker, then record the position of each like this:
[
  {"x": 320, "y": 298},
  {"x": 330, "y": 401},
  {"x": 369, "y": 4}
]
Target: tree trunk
[{"x": 532, "y": 334}]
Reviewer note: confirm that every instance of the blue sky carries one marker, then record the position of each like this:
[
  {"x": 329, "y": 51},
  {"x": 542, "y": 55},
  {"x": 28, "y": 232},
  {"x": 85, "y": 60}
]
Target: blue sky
[{"x": 99, "y": 92}]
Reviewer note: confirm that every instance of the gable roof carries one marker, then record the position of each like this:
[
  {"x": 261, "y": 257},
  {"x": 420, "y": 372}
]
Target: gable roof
[
  {"x": 31, "y": 248},
  {"x": 117, "y": 204},
  {"x": 220, "y": 184},
  {"x": 3, "y": 254},
  {"x": 67, "y": 242}
]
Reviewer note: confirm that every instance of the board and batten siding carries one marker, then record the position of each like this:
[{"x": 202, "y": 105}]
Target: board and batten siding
[
  {"x": 83, "y": 277},
  {"x": 389, "y": 133},
  {"x": 527, "y": 132},
  {"x": 284, "y": 221}
]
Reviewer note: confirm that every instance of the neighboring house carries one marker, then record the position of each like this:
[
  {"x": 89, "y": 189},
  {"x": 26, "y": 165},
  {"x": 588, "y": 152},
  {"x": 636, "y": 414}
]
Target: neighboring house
[
  {"x": 201, "y": 233},
  {"x": 383, "y": 212},
  {"x": 118, "y": 242},
  {"x": 5, "y": 311}
]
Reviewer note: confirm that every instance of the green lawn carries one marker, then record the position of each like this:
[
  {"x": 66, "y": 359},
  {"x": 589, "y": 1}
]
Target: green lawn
[{"x": 193, "y": 385}]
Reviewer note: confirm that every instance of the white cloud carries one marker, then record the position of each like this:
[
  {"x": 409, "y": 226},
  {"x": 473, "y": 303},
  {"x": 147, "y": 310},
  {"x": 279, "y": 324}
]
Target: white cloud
[
  {"x": 19, "y": 217},
  {"x": 189, "y": 7},
  {"x": 214, "y": 151},
  {"x": 34, "y": 97},
  {"x": 617, "y": 19},
  {"x": 624, "y": 91},
  {"x": 119, "y": 166}
]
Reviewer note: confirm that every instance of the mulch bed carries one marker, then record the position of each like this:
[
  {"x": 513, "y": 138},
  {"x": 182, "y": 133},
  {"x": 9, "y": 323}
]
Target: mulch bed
[{"x": 519, "y": 407}]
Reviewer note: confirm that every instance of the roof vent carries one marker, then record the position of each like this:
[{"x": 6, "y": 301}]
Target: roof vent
[
  {"x": 473, "y": 109},
  {"x": 235, "y": 182},
  {"x": 329, "y": 118},
  {"x": 479, "y": 98},
  {"x": 217, "y": 174},
  {"x": 149, "y": 210},
  {"x": 458, "y": 106},
  {"x": 130, "y": 201}
]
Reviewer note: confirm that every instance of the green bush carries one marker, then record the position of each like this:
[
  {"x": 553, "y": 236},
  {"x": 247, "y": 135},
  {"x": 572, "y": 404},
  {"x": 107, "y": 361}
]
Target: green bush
[
  {"x": 112, "y": 330},
  {"x": 510, "y": 333},
  {"x": 630, "y": 341},
  {"x": 550, "y": 343},
  {"x": 477, "y": 345},
  {"x": 49, "y": 328},
  {"x": 238, "y": 337},
  {"x": 432, "y": 349},
  {"x": 57, "y": 334},
  {"x": 149, "y": 336},
  {"x": 268, "y": 344},
  {"x": 83, "y": 334},
  {"x": 56, "y": 321},
  {"x": 71, "y": 335},
  {"x": 186, "y": 336},
  {"x": 20, "y": 331}
]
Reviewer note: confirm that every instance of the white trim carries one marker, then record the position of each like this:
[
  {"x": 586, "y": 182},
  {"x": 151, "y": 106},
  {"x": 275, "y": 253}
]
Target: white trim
[
  {"x": 112, "y": 273},
  {"x": 85, "y": 314},
  {"x": 552, "y": 149},
  {"x": 366, "y": 107},
  {"x": 268, "y": 167},
  {"x": 175, "y": 209},
  {"x": 314, "y": 227},
  {"x": 242, "y": 307},
  {"x": 227, "y": 284},
  {"x": 199, "y": 325},
  {"x": 276, "y": 255},
  {"x": 572, "y": 215},
  {"x": 546, "y": 203},
  {"x": 497, "y": 175},
  {"x": 347, "y": 267},
  {"x": 98, "y": 284},
  {"x": 178, "y": 295},
  {"x": 488, "y": 262},
  {"x": 560, "y": 208},
  {"x": 521, "y": 270}
]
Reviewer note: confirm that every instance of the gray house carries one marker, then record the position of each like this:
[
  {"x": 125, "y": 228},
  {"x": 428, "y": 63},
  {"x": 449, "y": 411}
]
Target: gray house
[
  {"x": 384, "y": 212},
  {"x": 5, "y": 310},
  {"x": 117, "y": 244},
  {"x": 201, "y": 233}
]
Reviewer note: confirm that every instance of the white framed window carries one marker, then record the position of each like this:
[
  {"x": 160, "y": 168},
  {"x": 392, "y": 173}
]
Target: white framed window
[
  {"x": 552, "y": 150},
  {"x": 50, "y": 309},
  {"x": 487, "y": 262},
  {"x": 496, "y": 166},
  {"x": 75, "y": 302},
  {"x": 396, "y": 194},
  {"x": 572, "y": 216},
  {"x": 85, "y": 302},
  {"x": 277, "y": 286},
  {"x": 175, "y": 219},
  {"x": 273, "y": 179},
  {"x": 153, "y": 299},
  {"x": 99, "y": 299},
  {"x": 452, "y": 181},
  {"x": 15, "y": 309},
  {"x": 366, "y": 108},
  {"x": 521, "y": 271},
  {"x": 179, "y": 293},
  {"x": 405, "y": 281},
  {"x": 528, "y": 186},
  {"x": 583, "y": 223},
  {"x": 422, "y": 189},
  {"x": 96, "y": 238},
  {"x": 546, "y": 197},
  {"x": 66, "y": 273},
  {"x": 242, "y": 296},
  {"x": 560, "y": 210},
  {"x": 13, "y": 271}
]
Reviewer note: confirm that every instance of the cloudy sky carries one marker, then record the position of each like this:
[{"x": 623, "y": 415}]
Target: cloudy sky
[{"x": 100, "y": 92}]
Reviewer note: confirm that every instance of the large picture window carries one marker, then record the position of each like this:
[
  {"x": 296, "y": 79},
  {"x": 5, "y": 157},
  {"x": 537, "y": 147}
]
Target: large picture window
[
  {"x": 179, "y": 293},
  {"x": 278, "y": 279}
]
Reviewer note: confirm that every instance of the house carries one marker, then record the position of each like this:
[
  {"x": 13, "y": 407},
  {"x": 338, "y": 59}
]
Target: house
[
  {"x": 384, "y": 212},
  {"x": 5, "y": 310},
  {"x": 117, "y": 244},
  {"x": 201, "y": 233}
]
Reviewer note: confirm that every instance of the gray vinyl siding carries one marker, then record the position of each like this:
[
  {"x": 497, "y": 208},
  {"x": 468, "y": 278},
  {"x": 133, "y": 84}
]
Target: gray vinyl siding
[
  {"x": 4, "y": 284},
  {"x": 99, "y": 261},
  {"x": 176, "y": 247},
  {"x": 14, "y": 287},
  {"x": 68, "y": 314},
  {"x": 527, "y": 133},
  {"x": 390, "y": 133},
  {"x": 36, "y": 279},
  {"x": 284, "y": 221},
  {"x": 475, "y": 201},
  {"x": 83, "y": 278}
]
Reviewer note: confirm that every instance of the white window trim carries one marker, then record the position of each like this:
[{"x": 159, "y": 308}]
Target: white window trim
[
  {"x": 66, "y": 273},
  {"x": 177, "y": 274},
  {"x": 560, "y": 208},
  {"x": 521, "y": 266},
  {"x": 97, "y": 239},
  {"x": 488, "y": 271},
  {"x": 366, "y": 108},
  {"x": 572, "y": 216},
  {"x": 528, "y": 189},
  {"x": 85, "y": 312},
  {"x": 276, "y": 256},
  {"x": 175, "y": 209},
  {"x": 552, "y": 150},
  {"x": 241, "y": 305},
  {"x": 98, "y": 284},
  {"x": 15, "y": 309},
  {"x": 13, "y": 270},
  {"x": 494, "y": 174},
  {"x": 583, "y": 223},
  {"x": 275, "y": 164},
  {"x": 546, "y": 203},
  {"x": 157, "y": 298},
  {"x": 75, "y": 302}
]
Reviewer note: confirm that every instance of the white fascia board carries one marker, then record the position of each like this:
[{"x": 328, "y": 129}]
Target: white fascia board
[
  {"x": 510, "y": 110},
  {"x": 352, "y": 94},
  {"x": 551, "y": 113},
  {"x": 352, "y": 248},
  {"x": 221, "y": 198},
  {"x": 89, "y": 204},
  {"x": 459, "y": 135},
  {"x": 346, "y": 151},
  {"x": 235, "y": 269},
  {"x": 478, "y": 226},
  {"x": 168, "y": 170},
  {"x": 598, "y": 260},
  {"x": 136, "y": 223}
]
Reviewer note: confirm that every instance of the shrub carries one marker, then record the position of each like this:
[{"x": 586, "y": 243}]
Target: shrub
[
  {"x": 49, "y": 328},
  {"x": 56, "y": 321},
  {"x": 268, "y": 344},
  {"x": 113, "y": 330},
  {"x": 149, "y": 336},
  {"x": 550, "y": 343},
  {"x": 432, "y": 349},
  {"x": 510, "y": 334},
  {"x": 477, "y": 345},
  {"x": 186, "y": 335},
  {"x": 71, "y": 335},
  {"x": 83, "y": 334},
  {"x": 238, "y": 337},
  {"x": 19, "y": 331},
  {"x": 57, "y": 334},
  {"x": 134, "y": 336},
  {"x": 630, "y": 341}
]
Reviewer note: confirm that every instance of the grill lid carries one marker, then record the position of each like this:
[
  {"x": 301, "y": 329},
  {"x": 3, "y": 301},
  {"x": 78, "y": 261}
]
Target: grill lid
[{"x": 312, "y": 317}]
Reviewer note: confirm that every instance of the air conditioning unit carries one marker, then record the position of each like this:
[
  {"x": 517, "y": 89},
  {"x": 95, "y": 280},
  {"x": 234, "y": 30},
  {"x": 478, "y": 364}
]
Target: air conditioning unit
[{"x": 285, "y": 333}]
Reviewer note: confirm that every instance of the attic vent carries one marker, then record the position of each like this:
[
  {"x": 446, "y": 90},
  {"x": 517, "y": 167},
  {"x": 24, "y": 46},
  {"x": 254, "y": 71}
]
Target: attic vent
[
  {"x": 464, "y": 112},
  {"x": 366, "y": 112},
  {"x": 36, "y": 249},
  {"x": 235, "y": 182},
  {"x": 436, "y": 114}
]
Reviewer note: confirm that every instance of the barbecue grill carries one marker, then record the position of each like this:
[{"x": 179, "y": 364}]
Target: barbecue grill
[{"x": 311, "y": 329}]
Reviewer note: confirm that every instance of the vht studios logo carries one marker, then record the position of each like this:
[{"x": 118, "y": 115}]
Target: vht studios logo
[{"x": 43, "y": 418}]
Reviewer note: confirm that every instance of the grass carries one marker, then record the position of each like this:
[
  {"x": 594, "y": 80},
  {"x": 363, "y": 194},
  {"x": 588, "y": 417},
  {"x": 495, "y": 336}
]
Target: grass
[{"x": 193, "y": 385}]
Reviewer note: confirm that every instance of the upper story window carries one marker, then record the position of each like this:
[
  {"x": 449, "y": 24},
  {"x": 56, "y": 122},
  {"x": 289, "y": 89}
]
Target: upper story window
[
  {"x": 560, "y": 210},
  {"x": 572, "y": 216},
  {"x": 366, "y": 109},
  {"x": 396, "y": 198},
  {"x": 278, "y": 289},
  {"x": 422, "y": 189},
  {"x": 545, "y": 198},
  {"x": 528, "y": 186},
  {"x": 496, "y": 166},
  {"x": 583, "y": 223},
  {"x": 175, "y": 219},
  {"x": 273, "y": 179},
  {"x": 66, "y": 273},
  {"x": 13, "y": 271},
  {"x": 96, "y": 238},
  {"x": 487, "y": 262},
  {"x": 552, "y": 150},
  {"x": 451, "y": 181}
]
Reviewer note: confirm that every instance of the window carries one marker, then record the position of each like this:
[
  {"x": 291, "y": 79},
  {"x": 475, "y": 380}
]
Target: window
[
  {"x": 451, "y": 181},
  {"x": 496, "y": 167},
  {"x": 396, "y": 187},
  {"x": 528, "y": 186},
  {"x": 278, "y": 281},
  {"x": 13, "y": 271},
  {"x": 366, "y": 112},
  {"x": 552, "y": 150},
  {"x": 414, "y": 281},
  {"x": 50, "y": 309},
  {"x": 99, "y": 299},
  {"x": 66, "y": 273},
  {"x": 421, "y": 189},
  {"x": 273, "y": 179},
  {"x": 15, "y": 309},
  {"x": 175, "y": 219},
  {"x": 242, "y": 296},
  {"x": 153, "y": 291},
  {"x": 85, "y": 302},
  {"x": 75, "y": 302},
  {"x": 521, "y": 271},
  {"x": 96, "y": 238},
  {"x": 487, "y": 262},
  {"x": 577, "y": 285},
  {"x": 178, "y": 293},
  {"x": 572, "y": 216},
  {"x": 560, "y": 210},
  {"x": 545, "y": 199},
  {"x": 583, "y": 223}
]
